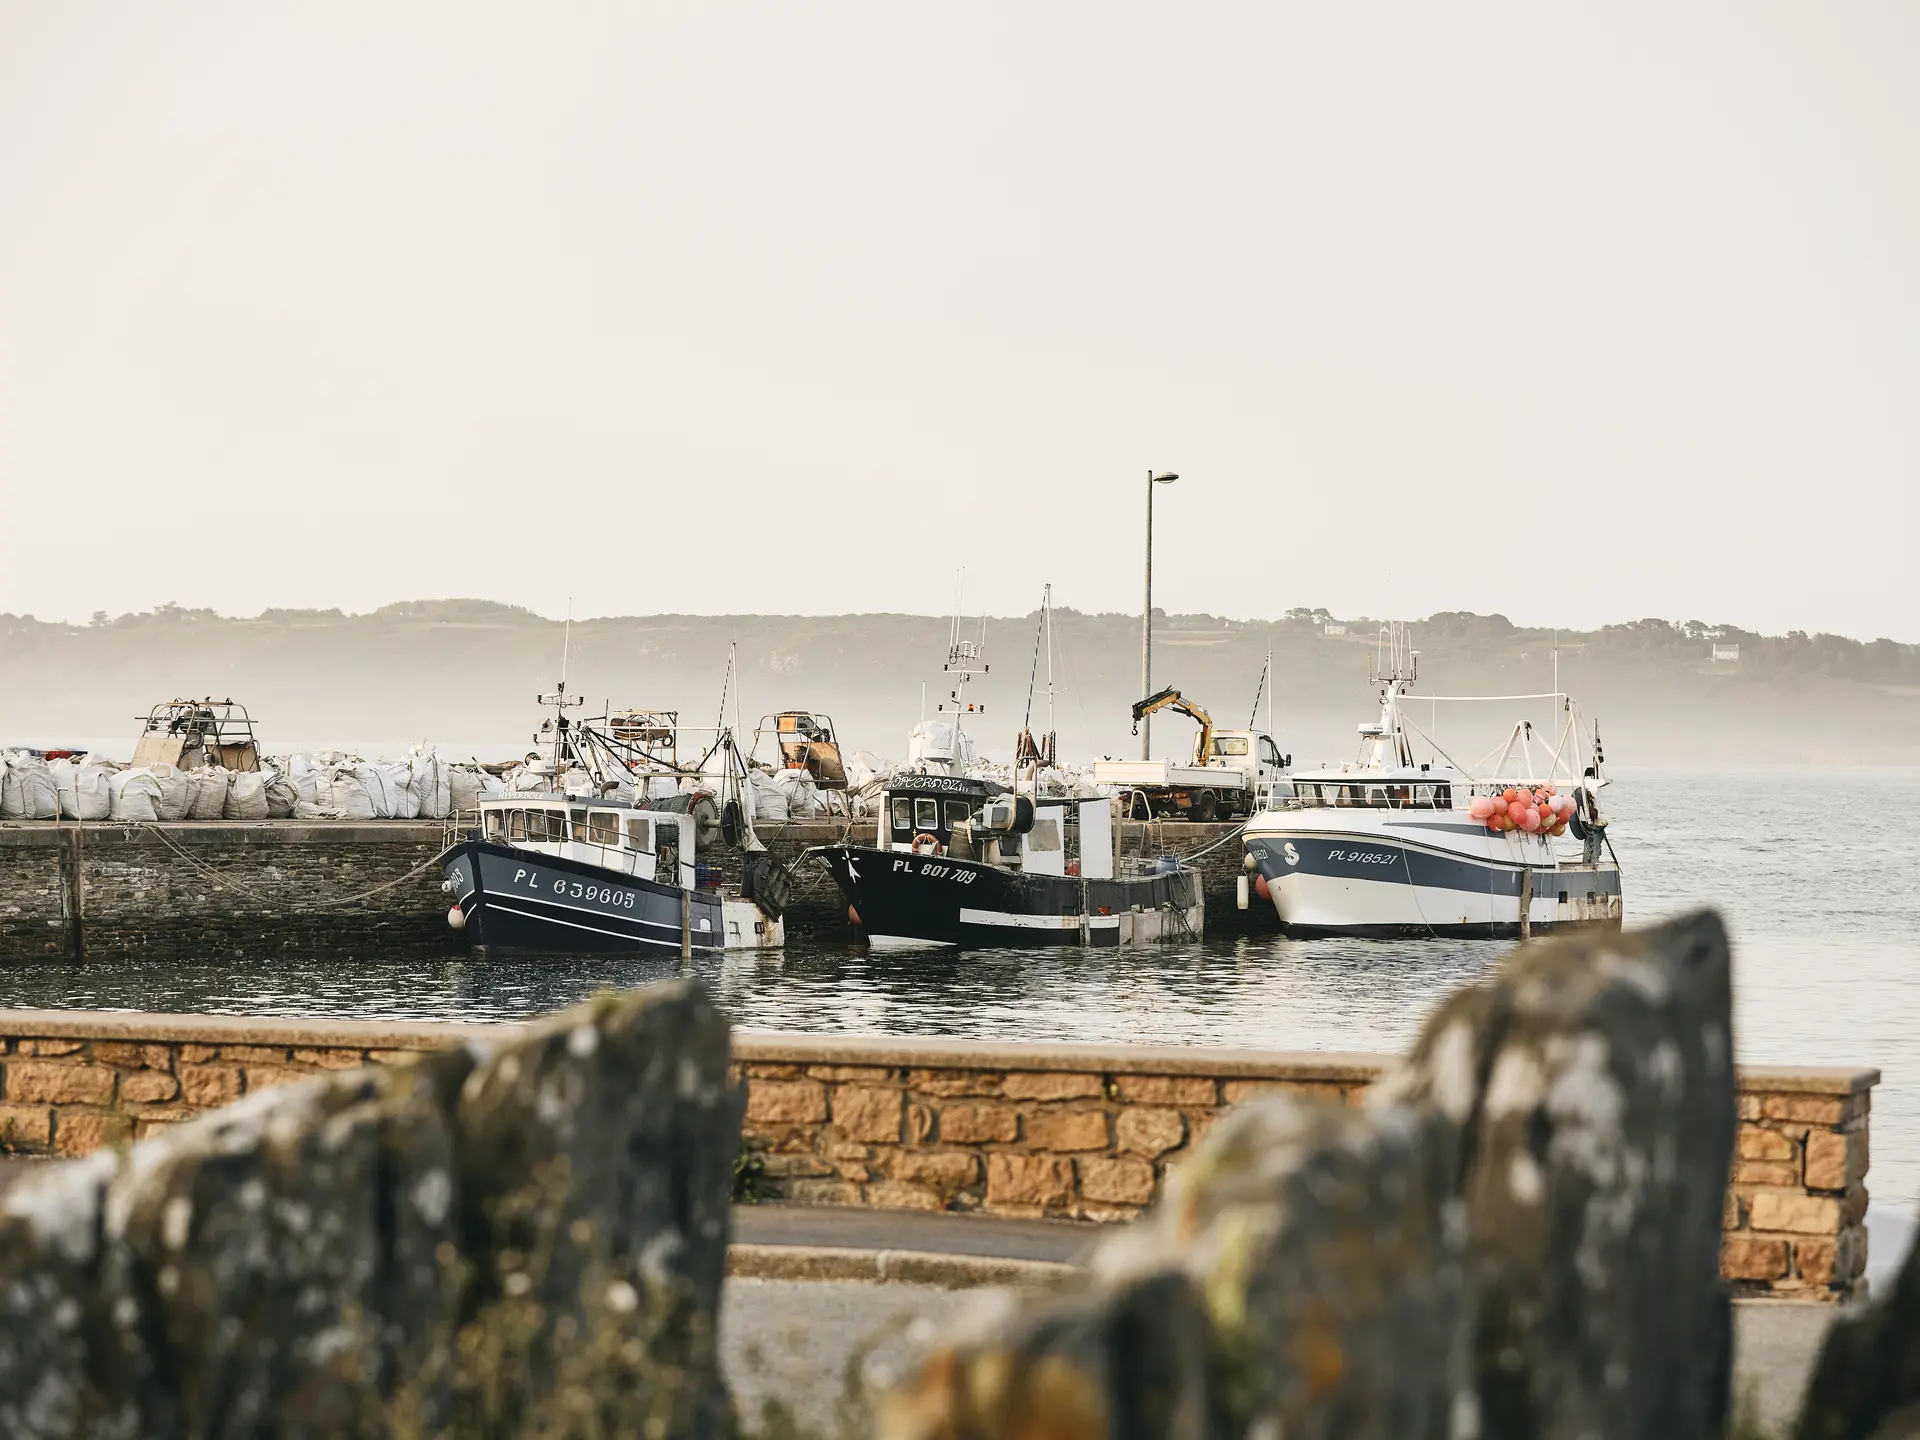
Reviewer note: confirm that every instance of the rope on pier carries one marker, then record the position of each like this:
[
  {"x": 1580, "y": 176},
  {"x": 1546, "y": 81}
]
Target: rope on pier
[
  {"x": 226, "y": 882},
  {"x": 1232, "y": 834}
]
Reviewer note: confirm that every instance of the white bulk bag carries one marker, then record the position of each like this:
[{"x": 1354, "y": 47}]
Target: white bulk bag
[
  {"x": 27, "y": 791},
  {"x": 210, "y": 801},
  {"x": 63, "y": 772},
  {"x": 464, "y": 789},
  {"x": 769, "y": 800},
  {"x": 177, "y": 791},
  {"x": 136, "y": 795},
  {"x": 246, "y": 797},
  {"x": 340, "y": 793},
  {"x": 90, "y": 794},
  {"x": 430, "y": 785},
  {"x": 577, "y": 783},
  {"x": 798, "y": 787},
  {"x": 283, "y": 796},
  {"x": 382, "y": 787},
  {"x": 528, "y": 780}
]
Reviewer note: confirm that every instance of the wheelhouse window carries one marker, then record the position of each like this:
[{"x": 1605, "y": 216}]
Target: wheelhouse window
[
  {"x": 516, "y": 825},
  {"x": 926, "y": 815},
  {"x": 902, "y": 814},
  {"x": 957, "y": 812},
  {"x": 580, "y": 825},
  {"x": 495, "y": 823},
  {"x": 637, "y": 836},
  {"x": 603, "y": 828}
]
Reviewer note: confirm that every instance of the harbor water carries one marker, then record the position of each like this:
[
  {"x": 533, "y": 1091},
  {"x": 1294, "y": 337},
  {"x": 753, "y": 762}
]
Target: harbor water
[{"x": 1818, "y": 874}]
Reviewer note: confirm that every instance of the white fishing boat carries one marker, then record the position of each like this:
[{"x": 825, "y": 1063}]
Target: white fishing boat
[{"x": 1405, "y": 841}]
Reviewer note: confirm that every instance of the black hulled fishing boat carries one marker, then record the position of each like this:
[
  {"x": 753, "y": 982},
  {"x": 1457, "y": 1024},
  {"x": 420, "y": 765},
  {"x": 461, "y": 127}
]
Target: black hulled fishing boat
[
  {"x": 562, "y": 872},
  {"x": 965, "y": 861}
]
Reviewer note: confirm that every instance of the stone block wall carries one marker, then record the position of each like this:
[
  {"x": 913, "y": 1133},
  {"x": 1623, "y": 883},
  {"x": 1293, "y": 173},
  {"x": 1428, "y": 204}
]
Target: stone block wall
[
  {"x": 70, "y": 891},
  {"x": 1074, "y": 1132},
  {"x": 1796, "y": 1210},
  {"x": 1064, "y": 1131},
  {"x": 75, "y": 1081}
]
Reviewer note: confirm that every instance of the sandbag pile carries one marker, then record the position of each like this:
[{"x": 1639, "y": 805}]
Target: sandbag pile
[{"x": 331, "y": 786}]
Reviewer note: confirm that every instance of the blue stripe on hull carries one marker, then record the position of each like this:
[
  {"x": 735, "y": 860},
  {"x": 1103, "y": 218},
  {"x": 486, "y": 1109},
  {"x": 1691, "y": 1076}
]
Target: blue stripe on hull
[{"x": 1403, "y": 863}]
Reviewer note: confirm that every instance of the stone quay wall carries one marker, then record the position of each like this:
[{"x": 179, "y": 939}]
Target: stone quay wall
[
  {"x": 104, "y": 889},
  {"x": 1079, "y": 1132}
]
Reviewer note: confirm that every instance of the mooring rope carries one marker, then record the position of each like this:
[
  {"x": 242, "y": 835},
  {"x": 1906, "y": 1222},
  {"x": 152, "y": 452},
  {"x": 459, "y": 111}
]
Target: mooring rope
[{"x": 226, "y": 882}]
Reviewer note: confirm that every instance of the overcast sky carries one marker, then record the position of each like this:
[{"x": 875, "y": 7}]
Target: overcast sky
[{"x": 1575, "y": 313}]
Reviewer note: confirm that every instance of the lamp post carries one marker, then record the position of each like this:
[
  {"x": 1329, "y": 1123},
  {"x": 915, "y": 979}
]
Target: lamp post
[{"x": 1165, "y": 477}]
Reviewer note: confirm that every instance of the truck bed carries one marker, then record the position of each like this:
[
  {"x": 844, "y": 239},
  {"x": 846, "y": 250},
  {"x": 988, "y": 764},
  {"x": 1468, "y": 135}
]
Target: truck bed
[{"x": 1164, "y": 774}]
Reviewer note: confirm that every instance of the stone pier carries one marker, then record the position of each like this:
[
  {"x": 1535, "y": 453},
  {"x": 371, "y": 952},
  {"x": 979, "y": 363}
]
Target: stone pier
[{"x": 107, "y": 890}]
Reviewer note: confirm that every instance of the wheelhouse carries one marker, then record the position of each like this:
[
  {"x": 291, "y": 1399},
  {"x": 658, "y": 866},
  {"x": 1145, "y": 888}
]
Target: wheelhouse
[
  {"x": 1375, "y": 790},
  {"x": 650, "y": 844},
  {"x": 929, "y": 805}
]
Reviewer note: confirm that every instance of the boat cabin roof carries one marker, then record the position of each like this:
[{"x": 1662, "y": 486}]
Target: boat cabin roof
[
  {"x": 1395, "y": 775},
  {"x": 963, "y": 787},
  {"x": 521, "y": 799}
]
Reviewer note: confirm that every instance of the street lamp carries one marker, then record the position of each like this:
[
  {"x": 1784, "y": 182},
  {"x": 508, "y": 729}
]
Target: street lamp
[{"x": 1165, "y": 477}]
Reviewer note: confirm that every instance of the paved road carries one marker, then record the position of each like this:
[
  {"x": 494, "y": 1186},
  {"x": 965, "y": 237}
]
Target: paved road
[
  {"x": 795, "y": 1338},
  {"x": 942, "y": 1234}
]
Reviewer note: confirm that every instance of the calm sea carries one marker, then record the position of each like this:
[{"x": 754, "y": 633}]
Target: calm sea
[{"x": 1818, "y": 875}]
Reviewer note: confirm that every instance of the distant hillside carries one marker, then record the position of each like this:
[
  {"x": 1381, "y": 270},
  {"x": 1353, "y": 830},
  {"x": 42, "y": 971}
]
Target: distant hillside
[{"x": 465, "y": 673}]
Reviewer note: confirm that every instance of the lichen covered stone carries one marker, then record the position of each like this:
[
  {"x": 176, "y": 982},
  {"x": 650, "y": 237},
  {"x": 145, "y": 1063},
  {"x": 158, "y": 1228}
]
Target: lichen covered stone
[
  {"x": 445, "y": 1247},
  {"x": 1518, "y": 1235}
]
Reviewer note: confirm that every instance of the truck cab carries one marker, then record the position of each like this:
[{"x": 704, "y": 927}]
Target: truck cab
[{"x": 1250, "y": 753}]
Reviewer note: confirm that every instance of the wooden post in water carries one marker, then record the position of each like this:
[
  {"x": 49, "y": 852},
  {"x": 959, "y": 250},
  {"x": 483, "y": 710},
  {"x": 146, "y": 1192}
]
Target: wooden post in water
[
  {"x": 686, "y": 923},
  {"x": 1526, "y": 903}
]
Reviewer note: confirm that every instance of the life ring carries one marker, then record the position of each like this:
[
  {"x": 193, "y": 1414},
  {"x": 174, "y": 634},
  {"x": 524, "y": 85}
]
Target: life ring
[{"x": 933, "y": 843}]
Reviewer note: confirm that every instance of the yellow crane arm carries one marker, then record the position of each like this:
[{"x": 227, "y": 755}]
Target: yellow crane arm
[{"x": 1172, "y": 699}]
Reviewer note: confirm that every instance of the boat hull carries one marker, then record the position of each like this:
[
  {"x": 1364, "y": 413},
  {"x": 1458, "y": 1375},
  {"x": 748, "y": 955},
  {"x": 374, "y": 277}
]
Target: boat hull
[
  {"x": 511, "y": 900},
  {"x": 965, "y": 902},
  {"x": 1388, "y": 874}
]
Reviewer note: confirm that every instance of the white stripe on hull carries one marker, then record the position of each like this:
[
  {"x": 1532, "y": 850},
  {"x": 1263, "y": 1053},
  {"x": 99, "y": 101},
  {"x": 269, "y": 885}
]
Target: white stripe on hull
[{"x": 1331, "y": 902}]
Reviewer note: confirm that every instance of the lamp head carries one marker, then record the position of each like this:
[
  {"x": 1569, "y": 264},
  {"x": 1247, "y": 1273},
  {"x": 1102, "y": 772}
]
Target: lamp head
[{"x": 1165, "y": 477}]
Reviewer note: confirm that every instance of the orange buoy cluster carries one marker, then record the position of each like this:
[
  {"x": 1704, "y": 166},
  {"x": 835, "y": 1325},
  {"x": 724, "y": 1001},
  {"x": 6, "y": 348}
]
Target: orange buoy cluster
[{"x": 1537, "y": 812}]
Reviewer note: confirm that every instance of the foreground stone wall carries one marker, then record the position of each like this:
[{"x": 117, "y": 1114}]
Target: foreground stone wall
[
  {"x": 70, "y": 891},
  {"x": 1083, "y": 1132},
  {"x": 1513, "y": 1238},
  {"x": 518, "y": 1238}
]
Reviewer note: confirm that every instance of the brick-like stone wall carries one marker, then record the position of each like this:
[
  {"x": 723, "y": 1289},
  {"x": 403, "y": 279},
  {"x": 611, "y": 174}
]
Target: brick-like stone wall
[
  {"x": 1068, "y": 1131},
  {"x": 72, "y": 891},
  {"x": 1796, "y": 1211},
  {"x": 75, "y": 1080}
]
